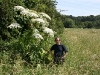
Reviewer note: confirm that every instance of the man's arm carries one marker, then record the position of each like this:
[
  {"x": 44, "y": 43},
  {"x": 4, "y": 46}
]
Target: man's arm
[
  {"x": 65, "y": 54},
  {"x": 51, "y": 49},
  {"x": 66, "y": 51}
]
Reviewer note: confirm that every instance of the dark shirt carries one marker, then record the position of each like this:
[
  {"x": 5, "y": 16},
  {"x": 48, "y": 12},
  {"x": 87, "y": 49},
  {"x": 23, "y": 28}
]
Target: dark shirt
[{"x": 58, "y": 49}]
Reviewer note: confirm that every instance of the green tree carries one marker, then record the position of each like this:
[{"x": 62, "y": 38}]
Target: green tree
[
  {"x": 7, "y": 16},
  {"x": 90, "y": 25},
  {"x": 97, "y": 24},
  {"x": 86, "y": 21},
  {"x": 30, "y": 3},
  {"x": 69, "y": 23}
]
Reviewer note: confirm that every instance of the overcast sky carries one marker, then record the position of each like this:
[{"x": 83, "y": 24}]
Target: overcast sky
[{"x": 79, "y": 7}]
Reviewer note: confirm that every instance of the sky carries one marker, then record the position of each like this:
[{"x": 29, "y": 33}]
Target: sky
[{"x": 78, "y": 7}]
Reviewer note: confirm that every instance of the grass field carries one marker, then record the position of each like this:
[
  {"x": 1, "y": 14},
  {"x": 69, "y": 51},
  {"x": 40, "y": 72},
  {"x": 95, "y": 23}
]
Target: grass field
[
  {"x": 83, "y": 57},
  {"x": 84, "y": 51}
]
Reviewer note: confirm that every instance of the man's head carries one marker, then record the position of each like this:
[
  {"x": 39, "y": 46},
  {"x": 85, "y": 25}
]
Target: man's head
[{"x": 57, "y": 40}]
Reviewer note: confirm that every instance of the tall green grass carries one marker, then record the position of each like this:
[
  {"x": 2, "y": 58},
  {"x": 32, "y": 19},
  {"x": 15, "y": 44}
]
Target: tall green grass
[{"x": 83, "y": 57}]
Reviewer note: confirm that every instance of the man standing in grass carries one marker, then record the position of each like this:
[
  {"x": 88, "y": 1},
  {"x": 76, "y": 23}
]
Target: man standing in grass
[{"x": 60, "y": 51}]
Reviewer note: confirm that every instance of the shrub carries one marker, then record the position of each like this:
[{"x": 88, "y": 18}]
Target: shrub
[{"x": 33, "y": 35}]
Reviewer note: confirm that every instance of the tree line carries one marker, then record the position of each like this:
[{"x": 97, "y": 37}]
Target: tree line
[{"x": 81, "y": 21}]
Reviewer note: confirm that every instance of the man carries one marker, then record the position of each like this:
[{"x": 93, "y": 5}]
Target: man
[{"x": 59, "y": 50}]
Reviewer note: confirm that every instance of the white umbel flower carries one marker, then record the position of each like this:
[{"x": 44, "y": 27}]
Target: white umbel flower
[
  {"x": 24, "y": 12},
  {"x": 19, "y": 8},
  {"x": 36, "y": 31},
  {"x": 39, "y": 20},
  {"x": 48, "y": 31},
  {"x": 14, "y": 25},
  {"x": 33, "y": 13},
  {"x": 29, "y": 13},
  {"x": 38, "y": 36},
  {"x": 45, "y": 15}
]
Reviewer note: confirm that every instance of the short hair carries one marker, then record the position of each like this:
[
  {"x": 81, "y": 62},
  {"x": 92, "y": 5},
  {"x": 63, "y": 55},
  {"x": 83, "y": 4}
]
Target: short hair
[{"x": 57, "y": 38}]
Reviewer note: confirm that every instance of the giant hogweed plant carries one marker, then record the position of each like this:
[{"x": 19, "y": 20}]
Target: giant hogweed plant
[{"x": 36, "y": 37}]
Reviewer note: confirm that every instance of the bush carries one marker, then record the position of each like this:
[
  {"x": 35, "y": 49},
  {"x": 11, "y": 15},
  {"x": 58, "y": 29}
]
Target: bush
[{"x": 33, "y": 37}]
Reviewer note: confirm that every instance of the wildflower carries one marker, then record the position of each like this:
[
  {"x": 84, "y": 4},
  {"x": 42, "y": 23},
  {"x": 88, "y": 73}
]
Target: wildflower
[
  {"x": 48, "y": 31},
  {"x": 45, "y": 15},
  {"x": 29, "y": 13},
  {"x": 19, "y": 8},
  {"x": 24, "y": 12},
  {"x": 46, "y": 24},
  {"x": 14, "y": 25},
  {"x": 39, "y": 20},
  {"x": 33, "y": 13},
  {"x": 36, "y": 31},
  {"x": 37, "y": 35}
]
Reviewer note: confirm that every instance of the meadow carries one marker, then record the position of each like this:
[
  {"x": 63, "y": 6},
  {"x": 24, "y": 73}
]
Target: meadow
[{"x": 83, "y": 57}]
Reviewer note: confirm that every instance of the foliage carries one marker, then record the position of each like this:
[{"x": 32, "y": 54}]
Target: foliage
[
  {"x": 29, "y": 30},
  {"x": 34, "y": 32},
  {"x": 6, "y": 16},
  {"x": 84, "y": 21},
  {"x": 69, "y": 23},
  {"x": 30, "y": 3},
  {"x": 48, "y": 7}
]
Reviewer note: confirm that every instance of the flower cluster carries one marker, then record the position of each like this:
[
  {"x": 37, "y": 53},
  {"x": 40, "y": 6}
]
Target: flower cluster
[
  {"x": 48, "y": 31},
  {"x": 35, "y": 31},
  {"x": 44, "y": 15},
  {"x": 19, "y": 8},
  {"x": 37, "y": 35},
  {"x": 14, "y": 25},
  {"x": 29, "y": 13},
  {"x": 39, "y": 20},
  {"x": 34, "y": 17}
]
